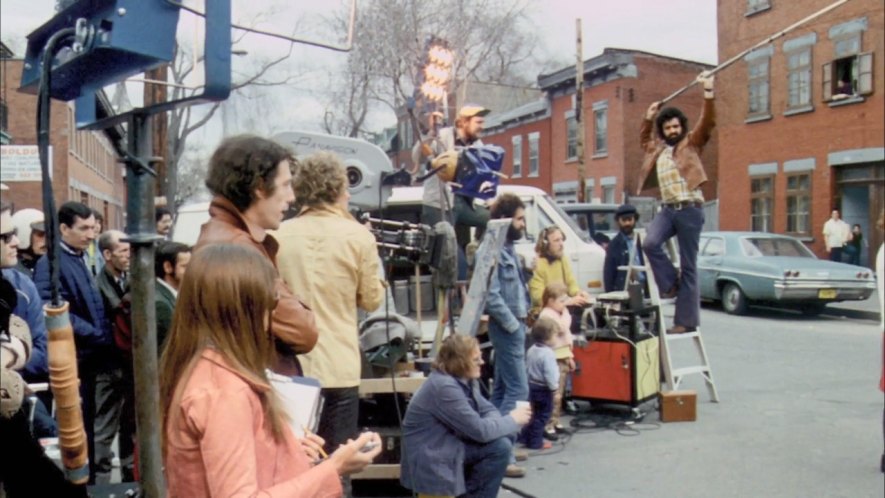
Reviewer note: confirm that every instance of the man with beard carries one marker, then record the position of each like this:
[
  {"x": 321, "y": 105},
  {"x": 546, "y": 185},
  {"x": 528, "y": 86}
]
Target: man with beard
[
  {"x": 618, "y": 252},
  {"x": 675, "y": 158},
  {"x": 507, "y": 306},
  {"x": 169, "y": 267},
  {"x": 32, "y": 236},
  {"x": 466, "y": 133}
]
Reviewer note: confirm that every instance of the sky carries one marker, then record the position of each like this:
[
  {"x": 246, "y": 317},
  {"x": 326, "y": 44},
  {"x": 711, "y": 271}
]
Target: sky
[{"x": 678, "y": 28}]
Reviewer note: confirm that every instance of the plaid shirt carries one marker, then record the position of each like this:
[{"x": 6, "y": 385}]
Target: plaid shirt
[{"x": 673, "y": 186}]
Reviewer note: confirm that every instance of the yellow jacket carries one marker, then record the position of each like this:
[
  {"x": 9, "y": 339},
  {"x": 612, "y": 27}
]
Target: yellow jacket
[
  {"x": 326, "y": 255},
  {"x": 546, "y": 273}
]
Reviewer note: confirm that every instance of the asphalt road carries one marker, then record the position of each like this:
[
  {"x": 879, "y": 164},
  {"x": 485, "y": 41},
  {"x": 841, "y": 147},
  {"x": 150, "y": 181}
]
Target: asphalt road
[{"x": 800, "y": 416}]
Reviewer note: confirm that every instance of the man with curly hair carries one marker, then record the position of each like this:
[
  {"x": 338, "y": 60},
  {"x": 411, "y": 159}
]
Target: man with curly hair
[
  {"x": 251, "y": 178},
  {"x": 333, "y": 258}
]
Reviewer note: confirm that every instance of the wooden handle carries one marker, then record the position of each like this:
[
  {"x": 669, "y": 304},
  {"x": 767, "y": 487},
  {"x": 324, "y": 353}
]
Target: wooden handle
[{"x": 65, "y": 383}]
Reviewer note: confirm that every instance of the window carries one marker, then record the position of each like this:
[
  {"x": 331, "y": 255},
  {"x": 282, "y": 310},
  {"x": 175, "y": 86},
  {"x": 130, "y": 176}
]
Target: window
[
  {"x": 850, "y": 73},
  {"x": 571, "y": 146},
  {"x": 799, "y": 78},
  {"x": 774, "y": 246},
  {"x": 534, "y": 154},
  {"x": 715, "y": 247},
  {"x": 799, "y": 204},
  {"x": 761, "y": 203},
  {"x": 608, "y": 194},
  {"x": 517, "y": 156},
  {"x": 754, "y": 6},
  {"x": 758, "y": 87},
  {"x": 600, "y": 120}
]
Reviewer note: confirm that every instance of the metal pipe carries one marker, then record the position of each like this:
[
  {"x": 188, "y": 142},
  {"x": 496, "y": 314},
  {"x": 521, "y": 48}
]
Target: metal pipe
[
  {"x": 766, "y": 41},
  {"x": 141, "y": 235}
]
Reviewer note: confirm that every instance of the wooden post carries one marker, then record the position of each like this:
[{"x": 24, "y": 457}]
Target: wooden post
[
  {"x": 155, "y": 93},
  {"x": 579, "y": 108}
]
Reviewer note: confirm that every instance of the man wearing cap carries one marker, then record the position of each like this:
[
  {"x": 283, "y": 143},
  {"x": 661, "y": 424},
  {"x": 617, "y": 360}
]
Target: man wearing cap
[
  {"x": 465, "y": 133},
  {"x": 619, "y": 249},
  {"x": 672, "y": 162},
  {"x": 32, "y": 236}
]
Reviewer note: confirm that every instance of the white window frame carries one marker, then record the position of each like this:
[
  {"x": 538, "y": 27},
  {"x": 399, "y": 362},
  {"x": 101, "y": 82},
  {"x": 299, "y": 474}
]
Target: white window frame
[
  {"x": 534, "y": 154},
  {"x": 516, "y": 142}
]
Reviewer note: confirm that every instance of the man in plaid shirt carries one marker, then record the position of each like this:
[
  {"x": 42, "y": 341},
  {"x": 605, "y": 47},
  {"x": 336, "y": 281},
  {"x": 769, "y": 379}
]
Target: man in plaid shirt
[{"x": 672, "y": 162}]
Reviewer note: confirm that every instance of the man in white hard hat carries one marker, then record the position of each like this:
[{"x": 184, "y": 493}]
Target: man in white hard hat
[{"x": 29, "y": 223}]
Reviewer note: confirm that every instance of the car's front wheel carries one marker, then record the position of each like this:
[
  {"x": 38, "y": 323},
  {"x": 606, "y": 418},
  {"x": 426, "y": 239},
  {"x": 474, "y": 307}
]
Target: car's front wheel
[{"x": 734, "y": 302}]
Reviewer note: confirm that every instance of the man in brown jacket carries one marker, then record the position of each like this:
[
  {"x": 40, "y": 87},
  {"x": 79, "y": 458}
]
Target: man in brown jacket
[
  {"x": 672, "y": 162},
  {"x": 251, "y": 179}
]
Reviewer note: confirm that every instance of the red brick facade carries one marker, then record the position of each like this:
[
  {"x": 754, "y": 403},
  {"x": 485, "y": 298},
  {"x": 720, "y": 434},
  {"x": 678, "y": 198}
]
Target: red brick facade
[
  {"x": 623, "y": 83},
  {"x": 836, "y": 144},
  {"x": 84, "y": 163}
]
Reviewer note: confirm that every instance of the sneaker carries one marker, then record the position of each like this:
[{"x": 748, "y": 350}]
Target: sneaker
[
  {"x": 520, "y": 454},
  {"x": 514, "y": 470},
  {"x": 550, "y": 435},
  {"x": 560, "y": 429}
]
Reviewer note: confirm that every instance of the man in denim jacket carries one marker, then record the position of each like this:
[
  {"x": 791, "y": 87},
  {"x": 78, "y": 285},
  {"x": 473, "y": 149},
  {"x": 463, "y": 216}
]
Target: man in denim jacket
[{"x": 507, "y": 306}]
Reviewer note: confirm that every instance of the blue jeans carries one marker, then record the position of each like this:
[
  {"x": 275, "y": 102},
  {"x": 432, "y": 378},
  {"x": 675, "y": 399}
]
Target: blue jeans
[
  {"x": 484, "y": 466},
  {"x": 541, "y": 398},
  {"x": 686, "y": 224},
  {"x": 511, "y": 384}
]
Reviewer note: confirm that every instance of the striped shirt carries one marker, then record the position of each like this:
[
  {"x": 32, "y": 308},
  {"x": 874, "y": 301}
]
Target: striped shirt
[{"x": 673, "y": 186}]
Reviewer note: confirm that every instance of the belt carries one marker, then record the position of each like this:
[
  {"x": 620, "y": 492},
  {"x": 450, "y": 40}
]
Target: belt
[{"x": 683, "y": 204}]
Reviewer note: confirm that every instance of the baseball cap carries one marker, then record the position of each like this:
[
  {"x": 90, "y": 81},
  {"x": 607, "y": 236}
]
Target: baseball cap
[{"x": 473, "y": 110}]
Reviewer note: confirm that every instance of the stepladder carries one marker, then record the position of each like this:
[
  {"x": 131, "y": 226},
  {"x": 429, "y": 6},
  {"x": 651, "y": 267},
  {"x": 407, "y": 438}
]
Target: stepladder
[{"x": 671, "y": 344}]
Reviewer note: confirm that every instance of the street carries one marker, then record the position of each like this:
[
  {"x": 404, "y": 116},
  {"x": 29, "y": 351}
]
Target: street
[{"x": 800, "y": 415}]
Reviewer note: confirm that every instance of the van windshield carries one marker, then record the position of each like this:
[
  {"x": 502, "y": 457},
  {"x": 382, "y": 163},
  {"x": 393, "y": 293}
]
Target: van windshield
[{"x": 584, "y": 234}]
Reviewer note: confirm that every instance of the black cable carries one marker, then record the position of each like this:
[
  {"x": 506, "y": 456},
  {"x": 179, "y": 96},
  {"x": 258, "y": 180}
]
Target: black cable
[{"x": 43, "y": 121}]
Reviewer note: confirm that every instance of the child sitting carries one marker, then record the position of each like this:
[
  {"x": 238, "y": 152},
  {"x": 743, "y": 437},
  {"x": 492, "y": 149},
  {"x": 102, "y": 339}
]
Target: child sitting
[
  {"x": 543, "y": 376},
  {"x": 554, "y": 299}
]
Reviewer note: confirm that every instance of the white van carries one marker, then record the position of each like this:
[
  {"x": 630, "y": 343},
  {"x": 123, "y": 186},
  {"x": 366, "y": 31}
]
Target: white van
[{"x": 587, "y": 257}]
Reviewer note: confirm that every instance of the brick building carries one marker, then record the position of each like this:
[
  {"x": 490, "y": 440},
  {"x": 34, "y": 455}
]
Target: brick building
[
  {"x": 84, "y": 163},
  {"x": 619, "y": 85},
  {"x": 803, "y": 130}
]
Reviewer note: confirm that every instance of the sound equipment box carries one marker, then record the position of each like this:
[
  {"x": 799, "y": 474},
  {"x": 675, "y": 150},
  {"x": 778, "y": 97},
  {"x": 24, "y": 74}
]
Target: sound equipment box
[
  {"x": 614, "y": 371},
  {"x": 679, "y": 406}
]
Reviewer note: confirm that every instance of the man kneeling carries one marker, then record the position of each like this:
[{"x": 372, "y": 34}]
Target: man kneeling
[{"x": 454, "y": 441}]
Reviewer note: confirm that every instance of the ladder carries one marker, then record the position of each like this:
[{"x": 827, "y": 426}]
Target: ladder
[{"x": 672, "y": 376}]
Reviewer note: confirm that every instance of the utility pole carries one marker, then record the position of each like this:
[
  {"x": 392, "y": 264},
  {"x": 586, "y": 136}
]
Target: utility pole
[
  {"x": 579, "y": 107},
  {"x": 155, "y": 93}
]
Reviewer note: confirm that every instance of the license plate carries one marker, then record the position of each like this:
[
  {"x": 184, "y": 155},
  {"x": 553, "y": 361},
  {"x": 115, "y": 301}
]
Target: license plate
[{"x": 826, "y": 294}]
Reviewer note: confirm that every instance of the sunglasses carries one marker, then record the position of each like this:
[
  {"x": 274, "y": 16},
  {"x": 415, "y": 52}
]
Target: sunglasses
[{"x": 7, "y": 236}]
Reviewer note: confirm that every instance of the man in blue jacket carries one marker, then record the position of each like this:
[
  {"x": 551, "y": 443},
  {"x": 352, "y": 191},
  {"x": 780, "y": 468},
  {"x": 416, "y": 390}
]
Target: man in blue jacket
[
  {"x": 29, "y": 306},
  {"x": 76, "y": 286},
  {"x": 507, "y": 306},
  {"x": 618, "y": 251}
]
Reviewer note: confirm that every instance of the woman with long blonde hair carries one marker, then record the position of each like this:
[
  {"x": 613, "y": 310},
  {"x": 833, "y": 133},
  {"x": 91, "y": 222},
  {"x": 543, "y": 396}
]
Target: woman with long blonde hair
[{"x": 225, "y": 433}]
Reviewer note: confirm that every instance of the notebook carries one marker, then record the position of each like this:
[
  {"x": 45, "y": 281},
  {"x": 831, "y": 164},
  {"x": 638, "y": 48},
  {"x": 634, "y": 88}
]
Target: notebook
[{"x": 300, "y": 397}]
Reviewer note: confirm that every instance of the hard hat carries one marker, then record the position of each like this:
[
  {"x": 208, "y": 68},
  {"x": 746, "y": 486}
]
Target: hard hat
[
  {"x": 25, "y": 221},
  {"x": 448, "y": 162}
]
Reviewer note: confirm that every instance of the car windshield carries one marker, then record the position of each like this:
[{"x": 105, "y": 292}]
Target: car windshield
[
  {"x": 770, "y": 246},
  {"x": 582, "y": 232}
]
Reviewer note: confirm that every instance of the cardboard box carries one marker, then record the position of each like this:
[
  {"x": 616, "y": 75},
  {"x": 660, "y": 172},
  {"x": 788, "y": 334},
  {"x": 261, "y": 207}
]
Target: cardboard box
[{"x": 679, "y": 406}]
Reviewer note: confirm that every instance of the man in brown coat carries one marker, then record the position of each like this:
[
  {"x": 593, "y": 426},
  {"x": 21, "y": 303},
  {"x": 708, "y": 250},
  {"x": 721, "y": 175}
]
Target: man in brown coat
[
  {"x": 251, "y": 179},
  {"x": 672, "y": 162}
]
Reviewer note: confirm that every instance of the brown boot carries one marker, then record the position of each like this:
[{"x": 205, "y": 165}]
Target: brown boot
[
  {"x": 679, "y": 329},
  {"x": 514, "y": 470}
]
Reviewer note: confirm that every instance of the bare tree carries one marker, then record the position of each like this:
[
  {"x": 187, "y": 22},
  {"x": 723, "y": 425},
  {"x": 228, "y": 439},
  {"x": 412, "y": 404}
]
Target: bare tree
[
  {"x": 260, "y": 71},
  {"x": 491, "y": 40}
]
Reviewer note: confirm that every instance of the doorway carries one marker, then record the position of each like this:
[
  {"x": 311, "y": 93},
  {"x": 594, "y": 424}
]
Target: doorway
[{"x": 860, "y": 194}]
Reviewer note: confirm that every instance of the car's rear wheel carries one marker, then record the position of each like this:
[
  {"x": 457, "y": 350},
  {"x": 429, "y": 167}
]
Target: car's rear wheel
[{"x": 734, "y": 302}]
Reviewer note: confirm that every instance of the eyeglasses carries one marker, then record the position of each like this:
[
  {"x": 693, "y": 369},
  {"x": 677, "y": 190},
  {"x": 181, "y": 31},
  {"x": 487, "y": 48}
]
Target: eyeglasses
[{"x": 7, "y": 237}]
